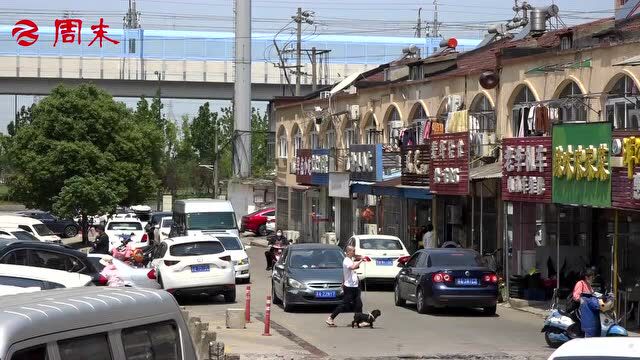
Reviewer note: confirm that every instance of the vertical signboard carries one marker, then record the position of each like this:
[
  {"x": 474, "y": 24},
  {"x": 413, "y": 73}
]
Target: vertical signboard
[
  {"x": 581, "y": 164},
  {"x": 449, "y": 173},
  {"x": 625, "y": 169},
  {"x": 365, "y": 162},
  {"x": 415, "y": 165},
  {"x": 526, "y": 169},
  {"x": 303, "y": 166}
]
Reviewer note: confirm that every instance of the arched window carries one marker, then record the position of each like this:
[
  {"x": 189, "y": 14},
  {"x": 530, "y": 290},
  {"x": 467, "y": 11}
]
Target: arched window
[
  {"x": 330, "y": 137},
  {"x": 520, "y": 110},
  {"x": 419, "y": 119},
  {"x": 573, "y": 111},
  {"x": 282, "y": 143},
  {"x": 371, "y": 133},
  {"x": 314, "y": 137},
  {"x": 482, "y": 115},
  {"x": 394, "y": 124},
  {"x": 297, "y": 139},
  {"x": 621, "y": 107}
]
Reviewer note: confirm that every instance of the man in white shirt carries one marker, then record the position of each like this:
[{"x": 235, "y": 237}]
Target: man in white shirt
[
  {"x": 351, "y": 299},
  {"x": 428, "y": 240}
]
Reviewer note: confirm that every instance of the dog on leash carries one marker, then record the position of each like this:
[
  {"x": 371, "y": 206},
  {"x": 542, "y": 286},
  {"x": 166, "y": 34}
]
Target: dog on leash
[{"x": 362, "y": 319}]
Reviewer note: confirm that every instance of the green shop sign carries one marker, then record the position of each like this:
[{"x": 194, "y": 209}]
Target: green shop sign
[{"x": 581, "y": 171}]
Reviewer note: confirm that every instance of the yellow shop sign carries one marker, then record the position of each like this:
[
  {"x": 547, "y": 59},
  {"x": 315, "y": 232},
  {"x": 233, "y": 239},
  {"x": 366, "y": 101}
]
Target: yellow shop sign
[{"x": 590, "y": 163}]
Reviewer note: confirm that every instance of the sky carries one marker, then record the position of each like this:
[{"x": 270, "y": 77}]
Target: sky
[{"x": 462, "y": 18}]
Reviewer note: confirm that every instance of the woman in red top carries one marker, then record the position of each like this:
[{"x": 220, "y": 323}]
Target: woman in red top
[{"x": 583, "y": 286}]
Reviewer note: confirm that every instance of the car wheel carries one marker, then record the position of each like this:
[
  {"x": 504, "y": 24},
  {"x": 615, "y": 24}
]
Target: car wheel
[
  {"x": 262, "y": 230},
  {"x": 70, "y": 231},
  {"x": 399, "y": 301},
  {"x": 421, "y": 302},
  {"x": 491, "y": 310},
  {"x": 285, "y": 304},
  {"x": 230, "y": 296},
  {"x": 274, "y": 296}
]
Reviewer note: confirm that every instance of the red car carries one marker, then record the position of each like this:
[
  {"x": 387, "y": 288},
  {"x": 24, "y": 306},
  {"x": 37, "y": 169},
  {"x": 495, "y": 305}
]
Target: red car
[{"x": 256, "y": 222}]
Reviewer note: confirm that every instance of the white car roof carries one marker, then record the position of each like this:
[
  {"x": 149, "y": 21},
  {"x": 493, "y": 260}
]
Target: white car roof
[
  {"x": 600, "y": 347},
  {"x": 385, "y": 237},
  {"x": 119, "y": 220},
  {"x": 65, "y": 278},
  {"x": 203, "y": 205},
  {"x": 17, "y": 219}
]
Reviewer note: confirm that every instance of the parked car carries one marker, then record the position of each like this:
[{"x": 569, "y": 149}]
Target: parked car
[
  {"x": 161, "y": 231},
  {"x": 384, "y": 252},
  {"x": 118, "y": 229},
  {"x": 195, "y": 265},
  {"x": 308, "y": 274},
  {"x": 32, "y": 226},
  {"x": 132, "y": 276},
  {"x": 67, "y": 228},
  {"x": 239, "y": 257},
  {"x": 44, "y": 279},
  {"x": 155, "y": 220},
  {"x": 93, "y": 323},
  {"x": 256, "y": 222},
  {"x": 446, "y": 277},
  {"x": 17, "y": 233},
  {"x": 49, "y": 256},
  {"x": 601, "y": 348},
  {"x": 203, "y": 216}
]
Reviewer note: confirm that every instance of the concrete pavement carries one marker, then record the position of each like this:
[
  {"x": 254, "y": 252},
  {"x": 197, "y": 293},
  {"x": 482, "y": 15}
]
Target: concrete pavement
[{"x": 454, "y": 334}]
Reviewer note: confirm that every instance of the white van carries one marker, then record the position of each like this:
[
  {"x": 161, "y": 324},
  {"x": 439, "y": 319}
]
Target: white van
[
  {"x": 33, "y": 226},
  {"x": 203, "y": 216}
]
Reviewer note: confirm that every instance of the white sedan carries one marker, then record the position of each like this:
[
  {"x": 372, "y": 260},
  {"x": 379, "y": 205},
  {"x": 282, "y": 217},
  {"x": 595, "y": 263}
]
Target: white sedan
[
  {"x": 161, "y": 232},
  {"x": 239, "y": 256},
  {"x": 602, "y": 348},
  {"x": 122, "y": 228},
  {"x": 195, "y": 265},
  {"x": 132, "y": 276},
  {"x": 384, "y": 252},
  {"x": 31, "y": 277}
]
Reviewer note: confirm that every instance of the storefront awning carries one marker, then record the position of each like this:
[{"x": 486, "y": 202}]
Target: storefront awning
[
  {"x": 489, "y": 171},
  {"x": 361, "y": 187},
  {"x": 388, "y": 188},
  {"x": 416, "y": 192},
  {"x": 632, "y": 61}
]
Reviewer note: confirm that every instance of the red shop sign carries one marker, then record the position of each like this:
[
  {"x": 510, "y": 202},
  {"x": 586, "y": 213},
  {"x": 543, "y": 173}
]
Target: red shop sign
[
  {"x": 526, "y": 169},
  {"x": 625, "y": 169},
  {"x": 303, "y": 166},
  {"x": 449, "y": 171}
]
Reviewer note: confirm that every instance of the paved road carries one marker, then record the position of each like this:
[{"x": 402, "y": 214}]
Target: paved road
[{"x": 399, "y": 331}]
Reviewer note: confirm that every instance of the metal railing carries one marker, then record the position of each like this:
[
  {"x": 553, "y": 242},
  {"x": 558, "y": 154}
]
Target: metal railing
[{"x": 338, "y": 159}]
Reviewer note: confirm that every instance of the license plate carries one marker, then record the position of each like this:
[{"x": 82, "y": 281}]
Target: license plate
[
  {"x": 199, "y": 268},
  {"x": 466, "y": 281},
  {"x": 325, "y": 294},
  {"x": 384, "y": 262}
]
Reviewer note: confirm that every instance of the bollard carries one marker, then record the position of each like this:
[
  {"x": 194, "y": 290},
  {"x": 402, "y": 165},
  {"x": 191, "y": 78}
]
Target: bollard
[
  {"x": 247, "y": 306},
  {"x": 267, "y": 317}
]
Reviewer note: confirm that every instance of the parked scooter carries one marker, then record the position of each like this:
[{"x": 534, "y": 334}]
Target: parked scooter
[{"x": 560, "y": 326}]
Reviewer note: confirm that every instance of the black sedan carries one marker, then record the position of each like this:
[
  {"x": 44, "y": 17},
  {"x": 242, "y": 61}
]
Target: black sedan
[
  {"x": 446, "y": 278},
  {"x": 63, "y": 227},
  {"x": 308, "y": 274}
]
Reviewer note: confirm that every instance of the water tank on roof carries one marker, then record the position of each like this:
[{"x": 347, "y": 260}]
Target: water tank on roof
[{"x": 538, "y": 20}]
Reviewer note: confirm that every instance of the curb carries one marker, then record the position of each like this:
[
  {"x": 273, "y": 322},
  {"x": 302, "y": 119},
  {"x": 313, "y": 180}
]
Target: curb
[{"x": 541, "y": 313}]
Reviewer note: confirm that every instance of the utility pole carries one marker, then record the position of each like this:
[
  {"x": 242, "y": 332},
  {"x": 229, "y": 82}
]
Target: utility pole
[
  {"x": 242, "y": 90},
  {"x": 215, "y": 158},
  {"x": 301, "y": 16},
  {"x": 314, "y": 70},
  {"x": 435, "y": 19},
  {"x": 419, "y": 25}
]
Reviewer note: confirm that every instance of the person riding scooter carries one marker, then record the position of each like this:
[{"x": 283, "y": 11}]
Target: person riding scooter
[{"x": 277, "y": 241}]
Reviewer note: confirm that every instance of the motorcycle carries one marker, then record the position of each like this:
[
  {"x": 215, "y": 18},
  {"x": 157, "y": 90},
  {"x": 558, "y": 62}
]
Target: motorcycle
[
  {"x": 561, "y": 326},
  {"x": 276, "y": 252}
]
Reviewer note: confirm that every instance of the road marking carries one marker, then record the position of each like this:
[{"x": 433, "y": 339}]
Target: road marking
[{"x": 293, "y": 337}]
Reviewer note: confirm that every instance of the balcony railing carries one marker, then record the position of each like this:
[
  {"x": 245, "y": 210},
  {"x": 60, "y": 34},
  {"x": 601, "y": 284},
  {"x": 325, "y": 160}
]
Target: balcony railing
[{"x": 338, "y": 159}]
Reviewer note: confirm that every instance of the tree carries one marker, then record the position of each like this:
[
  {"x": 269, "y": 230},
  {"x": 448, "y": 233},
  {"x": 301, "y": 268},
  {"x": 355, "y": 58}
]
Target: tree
[
  {"x": 261, "y": 162},
  {"x": 82, "y": 152}
]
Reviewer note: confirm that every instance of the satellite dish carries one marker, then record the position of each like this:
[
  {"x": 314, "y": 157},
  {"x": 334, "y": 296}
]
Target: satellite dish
[{"x": 489, "y": 80}]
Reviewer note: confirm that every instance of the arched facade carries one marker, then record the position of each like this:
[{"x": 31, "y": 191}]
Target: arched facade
[
  {"x": 392, "y": 124},
  {"x": 369, "y": 129},
  {"x": 575, "y": 108},
  {"x": 620, "y": 106},
  {"x": 296, "y": 139},
  {"x": 282, "y": 142},
  {"x": 519, "y": 104},
  {"x": 312, "y": 136}
]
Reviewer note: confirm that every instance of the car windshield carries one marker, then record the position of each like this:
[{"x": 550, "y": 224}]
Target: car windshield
[
  {"x": 380, "y": 244},
  {"x": 197, "y": 248},
  {"x": 23, "y": 235},
  {"x": 43, "y": 230},
  {"x": 316, "y": 259},
  {"x": 456, "y": 258},
  {"x": 211, "y": 221},
  {"x": 230, "y": 242},
  {"x": 124, "y": 226},
  {"x": 166, "y": 223}
]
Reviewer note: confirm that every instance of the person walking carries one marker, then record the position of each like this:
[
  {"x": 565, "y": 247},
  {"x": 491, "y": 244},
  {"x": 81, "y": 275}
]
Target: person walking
[
  {"x": 351, "y": 299},
  {"x": 428, "y": 240},
  {"x": 101, "y": 243}
]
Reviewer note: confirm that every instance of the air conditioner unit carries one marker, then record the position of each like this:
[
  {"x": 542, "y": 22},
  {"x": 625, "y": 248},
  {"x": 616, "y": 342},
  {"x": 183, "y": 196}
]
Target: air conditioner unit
[
  {"x": 454, "y": 102},
  {"x": 325, "y": 94},
  {"x": 371, "y": 200},
  {"x": 355, "y": 112}
]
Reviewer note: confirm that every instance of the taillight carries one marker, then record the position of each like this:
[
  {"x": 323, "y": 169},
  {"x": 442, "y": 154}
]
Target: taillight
[
  {"x": 490, "y": 278},
  {"x": 170, "y": 262},
  {"x": 145, "y": 237},
  {"x": 226, "y": 258},
  {"x": 102, "y": 280},
  {"x": 441, "y": 278},
  {"x": 152, "y": 274}
]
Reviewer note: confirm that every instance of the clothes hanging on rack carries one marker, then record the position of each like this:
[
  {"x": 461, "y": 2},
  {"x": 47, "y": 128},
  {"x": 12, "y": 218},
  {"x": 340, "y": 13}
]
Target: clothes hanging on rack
[
  {"x": 531, "y": 120},
  {"x": 542, "y": 124},
  {"x": 426, "y": 132},
  {"x": 523, "y": 115},
  {"x": 458, "y": 121}
]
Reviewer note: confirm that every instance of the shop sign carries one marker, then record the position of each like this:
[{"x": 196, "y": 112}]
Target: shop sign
[
  {"x": 415, "y": 165},
  {"x": 526, "y": 169},
  {"x": 449, "y": 173},
  {"x": 320, "y": 166},
  {"x": 339, "y": 185},
  {"x": 303, "y": 166},
  {"x": 581, "y": 171},
  {"x": 625, "y": 169},
  {"x": 365, "y": 162}
]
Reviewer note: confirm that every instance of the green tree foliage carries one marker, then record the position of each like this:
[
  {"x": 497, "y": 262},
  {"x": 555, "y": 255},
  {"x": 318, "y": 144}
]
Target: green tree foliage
[{"x": 83, "y": 151}]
